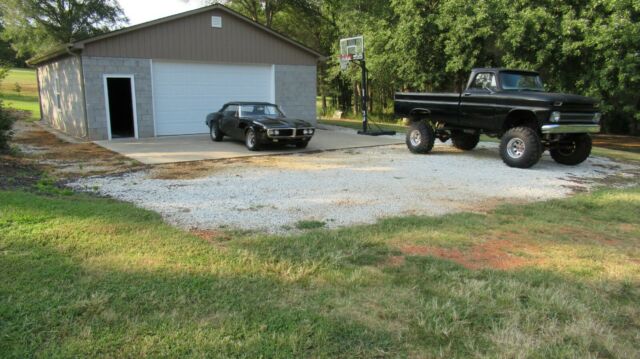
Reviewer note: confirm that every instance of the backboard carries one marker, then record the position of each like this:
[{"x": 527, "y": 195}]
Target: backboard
[{"x": 352, "y": 47}]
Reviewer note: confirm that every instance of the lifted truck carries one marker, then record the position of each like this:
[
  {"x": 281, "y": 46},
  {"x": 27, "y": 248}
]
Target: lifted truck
[{"x": 508, "y": 104}]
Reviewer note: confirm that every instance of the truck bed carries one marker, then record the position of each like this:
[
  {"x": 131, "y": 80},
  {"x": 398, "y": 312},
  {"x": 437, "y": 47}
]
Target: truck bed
[{"x": 439, "y": 106}]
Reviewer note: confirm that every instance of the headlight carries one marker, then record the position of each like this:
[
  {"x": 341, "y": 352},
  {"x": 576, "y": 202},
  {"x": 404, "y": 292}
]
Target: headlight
[
  {"x": 555, "y": 117},
  {"x": 276, "y": 132},
  {"x": 597, "y": 117}
]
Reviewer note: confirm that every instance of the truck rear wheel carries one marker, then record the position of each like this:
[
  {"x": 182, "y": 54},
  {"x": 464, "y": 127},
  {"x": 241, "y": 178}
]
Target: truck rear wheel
[
  {"x": 521, "y": 147},
  {"x": 420, "y": 137},
  {"x": 573, "y": 151},
  {"x": 465, "y": 141}
]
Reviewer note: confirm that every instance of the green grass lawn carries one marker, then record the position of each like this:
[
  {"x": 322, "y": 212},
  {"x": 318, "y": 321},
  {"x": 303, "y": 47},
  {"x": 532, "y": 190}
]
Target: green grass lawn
[
  {"x": 87, "y": 277},
  {"x": 27, "y": 98}
]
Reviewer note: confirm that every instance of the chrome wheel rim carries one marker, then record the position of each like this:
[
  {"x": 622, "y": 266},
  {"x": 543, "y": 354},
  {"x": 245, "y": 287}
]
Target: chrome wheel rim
[
  {"x": 415, "y": 138},
  {"x": 251, "y": 139},
  {"x": 515, "y": 148}
]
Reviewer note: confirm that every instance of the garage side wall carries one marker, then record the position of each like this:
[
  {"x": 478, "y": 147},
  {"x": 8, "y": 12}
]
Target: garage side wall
[
  {"x": 61, "y": 95},
  {"x": 94, "y": 70},
  {"x": 295, "y": 91}
]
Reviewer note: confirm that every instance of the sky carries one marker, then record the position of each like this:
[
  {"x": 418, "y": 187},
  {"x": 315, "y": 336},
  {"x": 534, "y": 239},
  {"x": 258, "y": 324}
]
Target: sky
[{"x": 139, "y": 11}]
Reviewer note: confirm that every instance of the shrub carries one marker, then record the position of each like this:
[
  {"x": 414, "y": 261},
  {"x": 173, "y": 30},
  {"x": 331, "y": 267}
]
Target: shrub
[{"x": 6, "y": 127}]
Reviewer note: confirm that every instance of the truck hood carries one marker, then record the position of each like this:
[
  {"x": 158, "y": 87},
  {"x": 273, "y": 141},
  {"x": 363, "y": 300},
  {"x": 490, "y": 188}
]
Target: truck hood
[{"x": 553, "y": 97}]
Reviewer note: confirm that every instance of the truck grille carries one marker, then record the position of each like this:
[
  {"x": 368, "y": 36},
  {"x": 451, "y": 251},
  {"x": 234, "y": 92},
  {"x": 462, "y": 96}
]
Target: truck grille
[{"x": 577, "y": 117}]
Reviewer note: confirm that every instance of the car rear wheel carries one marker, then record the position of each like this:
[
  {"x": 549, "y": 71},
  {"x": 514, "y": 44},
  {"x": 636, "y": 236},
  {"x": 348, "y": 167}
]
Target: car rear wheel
[
  {"x": 420, "y": 138},
  {"x": 465, "y": 141},
  {"x": 251, "y": 140},
  {"x": 573, "y": 151},
  {"x": 215, "y": 133},
  {"x": 520, "y": 147}
]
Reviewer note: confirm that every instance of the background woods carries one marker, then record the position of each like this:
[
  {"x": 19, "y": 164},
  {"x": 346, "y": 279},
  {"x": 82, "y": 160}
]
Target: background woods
[{"x": 587, "y": 47}]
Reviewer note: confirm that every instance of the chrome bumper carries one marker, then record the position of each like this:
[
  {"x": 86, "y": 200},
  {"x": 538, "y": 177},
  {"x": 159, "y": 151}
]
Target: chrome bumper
[{"x": 595, "y": 128}]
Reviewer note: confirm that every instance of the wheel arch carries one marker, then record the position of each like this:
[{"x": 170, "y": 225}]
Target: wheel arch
[
  {"x": 418, "y": 114},
  {"x": 521, "y": 118}
]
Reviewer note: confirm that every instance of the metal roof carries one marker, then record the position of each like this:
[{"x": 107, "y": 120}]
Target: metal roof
[{"x": 77, "y": 46}]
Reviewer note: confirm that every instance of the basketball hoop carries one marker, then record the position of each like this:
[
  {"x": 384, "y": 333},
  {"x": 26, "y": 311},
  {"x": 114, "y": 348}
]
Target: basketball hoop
[{"x": 345, "y": 59}]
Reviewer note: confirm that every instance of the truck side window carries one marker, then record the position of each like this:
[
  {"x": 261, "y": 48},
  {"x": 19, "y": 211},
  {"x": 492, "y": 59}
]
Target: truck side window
[{"x": 483, "y": 80}]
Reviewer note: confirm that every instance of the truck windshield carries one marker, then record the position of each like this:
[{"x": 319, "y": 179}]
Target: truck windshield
[{"x": 518, "y": 81}]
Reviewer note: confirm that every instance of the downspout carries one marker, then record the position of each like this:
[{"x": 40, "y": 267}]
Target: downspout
[{"x": 39, "y": 93}]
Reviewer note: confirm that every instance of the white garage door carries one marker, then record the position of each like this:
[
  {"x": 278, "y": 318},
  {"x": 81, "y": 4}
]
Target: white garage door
[{"x": 184, "y": 93}]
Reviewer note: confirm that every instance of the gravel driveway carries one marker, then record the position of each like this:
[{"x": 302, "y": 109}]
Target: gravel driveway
[{"x": 345, "y": 187}]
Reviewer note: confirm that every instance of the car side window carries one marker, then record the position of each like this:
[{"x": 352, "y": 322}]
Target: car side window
[
  {"x": 231, "y": 110},
  {"x": 484, "y": 80}
]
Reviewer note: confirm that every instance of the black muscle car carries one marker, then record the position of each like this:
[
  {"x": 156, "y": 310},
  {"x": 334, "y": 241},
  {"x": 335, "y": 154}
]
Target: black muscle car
[
  {"x": 258, "y": 124},
  {"x": 512, "y": 105}
]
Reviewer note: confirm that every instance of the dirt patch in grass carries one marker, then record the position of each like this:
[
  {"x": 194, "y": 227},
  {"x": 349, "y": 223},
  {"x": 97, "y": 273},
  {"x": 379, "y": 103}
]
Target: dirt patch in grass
[
  {"x": 492, "y": 254},
  {"x": 68, "y": 160},
  {"x": 16, "y": 173},
  {"x": 213, "y": 237},
  {"x": 620, "y": 143}
]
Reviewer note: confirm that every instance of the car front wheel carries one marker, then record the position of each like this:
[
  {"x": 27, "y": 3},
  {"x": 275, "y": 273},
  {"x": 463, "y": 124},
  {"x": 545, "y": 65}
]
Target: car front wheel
[
  {"x": 251, "y": 140},
  {"x": 573, "y": 151},
  {"x": 520, "y": 147},
  {"x": 215, "y": 133}
]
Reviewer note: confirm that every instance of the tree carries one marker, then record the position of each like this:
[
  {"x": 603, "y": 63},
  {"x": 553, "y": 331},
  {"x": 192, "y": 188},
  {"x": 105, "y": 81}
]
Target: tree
[{"x": 36, "y": 25}]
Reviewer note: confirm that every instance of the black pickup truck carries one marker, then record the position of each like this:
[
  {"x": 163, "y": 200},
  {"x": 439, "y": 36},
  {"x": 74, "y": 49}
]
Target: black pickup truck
[{"x": 511, "y": 105}]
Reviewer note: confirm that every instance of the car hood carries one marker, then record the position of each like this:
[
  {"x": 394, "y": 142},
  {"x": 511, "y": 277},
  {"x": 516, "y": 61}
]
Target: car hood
[{"x": 280, "y": 122}]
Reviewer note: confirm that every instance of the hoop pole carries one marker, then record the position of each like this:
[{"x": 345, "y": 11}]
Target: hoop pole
[{"x": 365, "y": 117}]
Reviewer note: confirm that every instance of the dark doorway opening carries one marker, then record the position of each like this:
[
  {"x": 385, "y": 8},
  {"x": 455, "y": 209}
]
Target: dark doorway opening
[{"x": 120, "y": 104}]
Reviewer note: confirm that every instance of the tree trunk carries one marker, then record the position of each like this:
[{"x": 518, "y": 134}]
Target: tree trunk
[{"x": 324, "y": 104}]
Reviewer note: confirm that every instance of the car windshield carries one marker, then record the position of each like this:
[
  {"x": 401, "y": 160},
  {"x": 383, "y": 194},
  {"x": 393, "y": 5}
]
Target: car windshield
[
  {"x": 518, "y": 81},
  {"x": 259, "y": 110}
]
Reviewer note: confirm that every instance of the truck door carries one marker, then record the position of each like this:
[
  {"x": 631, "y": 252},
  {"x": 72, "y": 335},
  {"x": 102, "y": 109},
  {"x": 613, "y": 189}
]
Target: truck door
[{"x": 478, "y": 103}]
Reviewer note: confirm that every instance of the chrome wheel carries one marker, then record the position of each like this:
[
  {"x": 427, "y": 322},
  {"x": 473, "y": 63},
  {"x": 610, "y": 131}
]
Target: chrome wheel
[
  {"x": 251, "y": 139},
  {"x": 415, "y": 138},
  {"x": 515, "y": 148}
]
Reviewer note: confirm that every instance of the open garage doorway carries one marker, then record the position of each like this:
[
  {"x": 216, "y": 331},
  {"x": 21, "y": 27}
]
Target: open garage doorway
[{"x": 121, "y": 106}]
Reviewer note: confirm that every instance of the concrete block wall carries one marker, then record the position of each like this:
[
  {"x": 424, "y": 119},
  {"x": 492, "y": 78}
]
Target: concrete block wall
[
  {"x": 295, "y": 90},
  {"x": 94, "y": 69},
  {"x": 63, "y": 77}
]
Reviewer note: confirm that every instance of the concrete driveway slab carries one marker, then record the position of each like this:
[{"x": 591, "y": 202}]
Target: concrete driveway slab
[{"x": 174, "y": 149}]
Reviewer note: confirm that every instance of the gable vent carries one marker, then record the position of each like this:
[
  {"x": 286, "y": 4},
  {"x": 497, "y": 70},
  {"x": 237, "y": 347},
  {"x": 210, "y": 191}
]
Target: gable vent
[{"x": 216, "y": 22}]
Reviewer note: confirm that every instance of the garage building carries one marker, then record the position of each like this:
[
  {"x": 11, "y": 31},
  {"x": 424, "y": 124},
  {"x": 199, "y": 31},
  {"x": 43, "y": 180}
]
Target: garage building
[{"x": 163, "y": 77}]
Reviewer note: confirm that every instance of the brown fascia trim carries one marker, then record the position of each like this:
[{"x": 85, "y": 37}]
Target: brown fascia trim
[{"x": 80, "y": 44}]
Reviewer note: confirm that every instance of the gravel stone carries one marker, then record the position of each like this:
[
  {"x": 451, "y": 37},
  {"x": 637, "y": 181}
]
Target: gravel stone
[{"x": 350, "y": 187}]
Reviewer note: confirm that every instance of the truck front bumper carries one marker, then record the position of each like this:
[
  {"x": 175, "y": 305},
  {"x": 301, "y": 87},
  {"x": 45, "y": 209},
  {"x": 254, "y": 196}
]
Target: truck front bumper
[{"x": 557, "y": 128}]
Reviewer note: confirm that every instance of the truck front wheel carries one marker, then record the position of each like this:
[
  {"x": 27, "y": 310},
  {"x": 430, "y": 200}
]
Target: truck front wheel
[
  {"x": 573, "y": 150},
  {"x": 421, "y": 137},
  {"x": 465, "y": 141},
  {"x": 521, "y": 147}
]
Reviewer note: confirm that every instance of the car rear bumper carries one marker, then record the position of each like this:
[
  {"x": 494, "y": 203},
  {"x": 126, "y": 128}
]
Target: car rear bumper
[{"x": 574, "y": 128}]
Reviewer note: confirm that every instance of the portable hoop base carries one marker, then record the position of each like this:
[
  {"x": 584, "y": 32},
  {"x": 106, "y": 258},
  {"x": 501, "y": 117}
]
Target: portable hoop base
[{"x": 377, "y": 133}]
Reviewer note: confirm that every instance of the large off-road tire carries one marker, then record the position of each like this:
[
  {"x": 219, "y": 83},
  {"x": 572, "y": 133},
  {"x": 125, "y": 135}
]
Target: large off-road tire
[
  {"x": 465, "y": 141},
  {"x": 574, "y": 150},
  {"x": 521, "y": 147},
  {"x": 421, "y": 137},
  {"x": 215, "y": 133},
  {"x": 251, "y": 140}
]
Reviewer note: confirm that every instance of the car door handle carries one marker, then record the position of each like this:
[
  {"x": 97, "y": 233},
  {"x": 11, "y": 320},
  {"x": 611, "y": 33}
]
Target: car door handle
[{"x": 466, "y": 94}]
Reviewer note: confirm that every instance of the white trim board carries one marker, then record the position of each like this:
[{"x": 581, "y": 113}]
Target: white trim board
[{"x": 133, "y": 100}]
